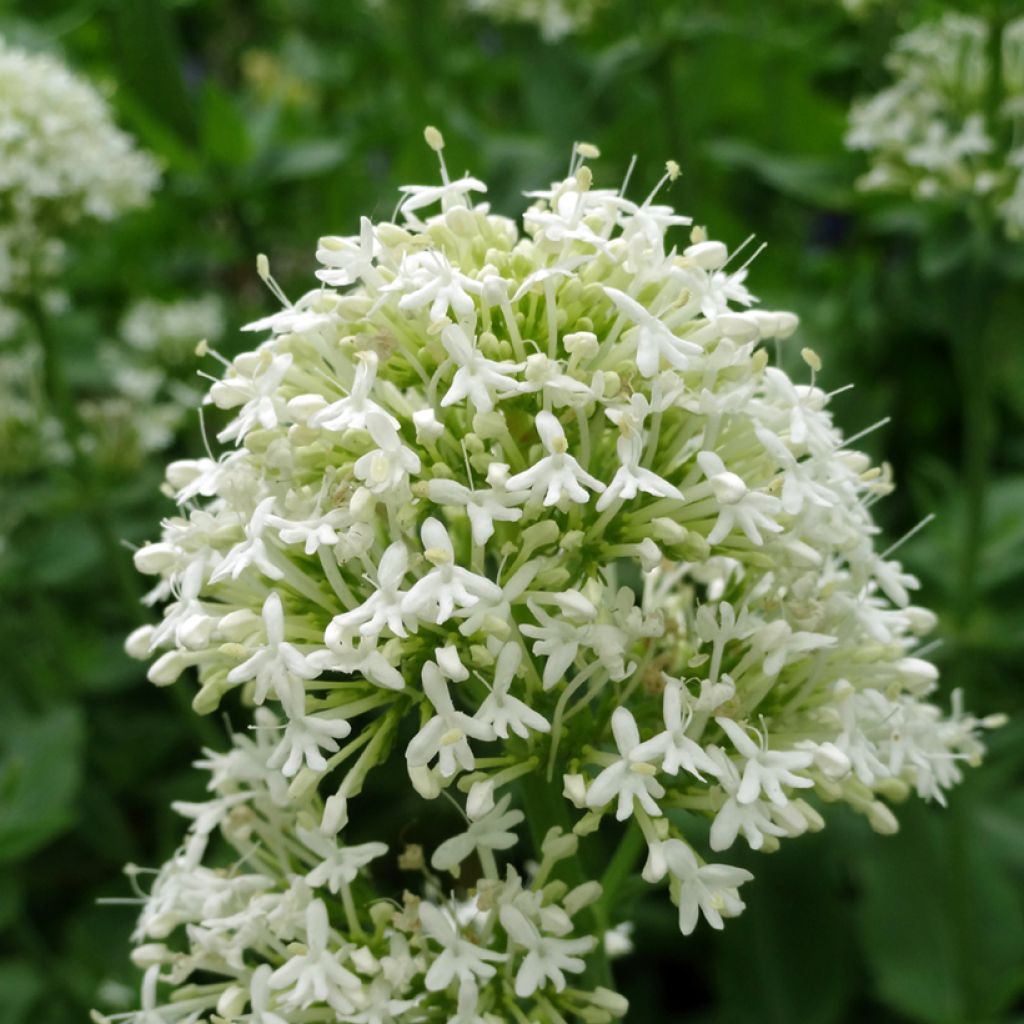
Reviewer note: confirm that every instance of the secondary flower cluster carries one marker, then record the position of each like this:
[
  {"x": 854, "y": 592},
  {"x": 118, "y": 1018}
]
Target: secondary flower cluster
[
  {"x": 532, "y": 507},
  {"x": 61, "y": 160},
  {"x": 281, "y": 935},
  {"x": 150, "y": 396},
  {"x": 951, "y": 126}
]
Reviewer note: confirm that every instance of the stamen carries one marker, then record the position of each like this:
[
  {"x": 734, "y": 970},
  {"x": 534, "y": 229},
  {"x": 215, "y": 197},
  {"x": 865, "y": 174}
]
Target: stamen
[
  {"x": 629, "y": 174},
  {"x": 435, "y": 140},
  {"x": 864, "y": 433},
  {"x": 910, "y": 533},
  {"x": 263, "y": 269}
]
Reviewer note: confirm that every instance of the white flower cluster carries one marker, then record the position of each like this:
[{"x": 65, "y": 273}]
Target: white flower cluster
[
  {"x": 945, "y": 130},
  {"x": 61, "y": 160},
  {"x": 535, "y": 505},
  {"x": 555, "y": 18},
  {"x": 281, "y": 937}
]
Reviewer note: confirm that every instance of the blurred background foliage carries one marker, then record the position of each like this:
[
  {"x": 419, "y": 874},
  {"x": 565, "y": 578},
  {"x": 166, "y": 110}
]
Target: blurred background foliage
[{"x": 277, "y": 121}]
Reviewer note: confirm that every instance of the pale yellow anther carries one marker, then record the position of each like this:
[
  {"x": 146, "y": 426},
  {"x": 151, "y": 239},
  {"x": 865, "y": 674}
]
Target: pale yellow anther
[
  {"x": 437, "y": 556},
  {"x": 262, "y": 266},
  {"x": 434, "y": 139},
  {"x": 673, "y": 170},
  {"x": 202, "y": 348},
  {"x": 584, "y": 178},
  {"x": 451, "y": 737},
  {"x": 643, "y": 768},
  {"x": 811, "y": 358},
  {"x": 587, "y": 150}
]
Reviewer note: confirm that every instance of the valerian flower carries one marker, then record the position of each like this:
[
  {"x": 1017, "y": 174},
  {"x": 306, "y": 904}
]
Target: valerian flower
[{"x": 481, "y": 506}]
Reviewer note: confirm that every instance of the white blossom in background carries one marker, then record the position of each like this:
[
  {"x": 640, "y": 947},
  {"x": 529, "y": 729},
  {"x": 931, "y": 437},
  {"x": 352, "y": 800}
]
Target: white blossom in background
[
  {"x": 555, "y": 18},
  {"x": 169, "y": 330},
  {"x": 62, "y": 160},
  {"x": 518, "y": 502},
  {"x": 950, "y": 127},
  {"x": 150, "y": 372}
]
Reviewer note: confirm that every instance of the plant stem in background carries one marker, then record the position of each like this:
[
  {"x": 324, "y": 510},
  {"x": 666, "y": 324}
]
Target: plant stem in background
[{"x": 62, "y": 401}]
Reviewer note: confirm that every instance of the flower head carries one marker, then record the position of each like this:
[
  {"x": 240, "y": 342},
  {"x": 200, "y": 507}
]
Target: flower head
[{"x": 548, "y": 474}]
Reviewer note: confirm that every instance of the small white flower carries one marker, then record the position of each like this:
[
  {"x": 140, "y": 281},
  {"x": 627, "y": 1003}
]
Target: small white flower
[
  {"x": 447, "y": 586},
  {"x": 631, "y": 478},
  {"x": 339, "y": 865},
  {"x": 429, "y": 278},
  {"x": 305, "y": 736},
  {"x": 708, "y": 889},
  {"x": 353, "y": 411},
  {"x": 491, "y": 832},
  {"x": 446, "y": 735},
  {"x": 676, "y": 749},
  {"x": 557, "y": 639},
  {"x": 751, "y": 511},
  {"x": 383, "y": 608},
  {"x": 558, "y": 475},
  {"x": 500, "y": 710},
  {"x": 348, "y": 260},
  {"x": 547, "y": 956},
  {"x": 630, "y": 778},
  {"x": 484, "y": 507},
  {"x": 459, "y": 958},
  {"x": 654, "y": 341},
  {"x": 278, "y": 664},
  {"x": 388, "y": 466},
  {"x": 766, "y": 771},
  {"x": 317, "y": 975},
  {"x": 477, "y": 377},
  {"x": 252, "y": 551}
]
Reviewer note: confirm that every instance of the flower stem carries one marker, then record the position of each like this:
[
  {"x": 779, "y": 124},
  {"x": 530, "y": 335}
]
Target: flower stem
[
  {"x": 620, "y": 867},
  {"x": 59, "y": 394}
]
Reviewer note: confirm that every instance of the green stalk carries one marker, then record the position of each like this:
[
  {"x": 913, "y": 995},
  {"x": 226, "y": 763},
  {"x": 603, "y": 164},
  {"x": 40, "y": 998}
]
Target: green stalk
[
  {"x": 62, "y": 401},
  {"x": 619, "y": 869}
]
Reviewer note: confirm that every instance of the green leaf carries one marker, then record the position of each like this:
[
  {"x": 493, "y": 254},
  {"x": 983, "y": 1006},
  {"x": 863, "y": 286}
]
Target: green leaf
[
  {"x": 223, "y": 132},
  {"x": 152, "y": 61},
  {"x": 809, "y": 177},
  {"x": 40, "y": 772},
  {"x": 20, "y": 987},
  {"x": 306, "y": 159},
  {"x": 792, "y": 943},
  {"x": 942, "y": 919}
]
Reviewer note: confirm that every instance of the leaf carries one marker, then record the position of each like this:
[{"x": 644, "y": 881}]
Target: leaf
[
  {"x": 942, "y": 919},
  {"x": 40, "y": 772},
  {"x": 804, "y": 177},
  {"x": 306, "y": 159},
  {"x": 223, "y": 132},
  {"x": 20, "y": 987},
  {"x": 152, "y": 62},
  {"x": 792, "y": 943}
]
